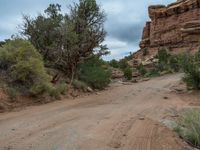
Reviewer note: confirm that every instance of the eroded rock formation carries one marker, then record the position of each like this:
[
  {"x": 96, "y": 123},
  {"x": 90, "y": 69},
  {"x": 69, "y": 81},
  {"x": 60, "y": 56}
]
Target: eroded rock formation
[{"x": 176, "y": 26}]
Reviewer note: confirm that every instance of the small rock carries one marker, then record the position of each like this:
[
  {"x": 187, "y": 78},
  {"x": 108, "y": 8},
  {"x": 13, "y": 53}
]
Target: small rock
[
  {"x": 166, "y": 97},
  {"x": 89, "y": 89},
  {"x": 141, "y": 118}
]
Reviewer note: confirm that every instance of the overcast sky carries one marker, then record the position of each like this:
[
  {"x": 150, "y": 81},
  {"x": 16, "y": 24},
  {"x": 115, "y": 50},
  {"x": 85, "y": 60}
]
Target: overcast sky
[{"x": 125, "y": 20}]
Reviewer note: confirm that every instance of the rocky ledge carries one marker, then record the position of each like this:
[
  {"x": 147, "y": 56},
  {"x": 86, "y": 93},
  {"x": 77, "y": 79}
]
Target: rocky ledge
[{"x": 175, "y": 26}]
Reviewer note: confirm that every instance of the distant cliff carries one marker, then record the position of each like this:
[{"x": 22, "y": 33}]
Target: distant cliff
[{"x": 176, "y": 26}]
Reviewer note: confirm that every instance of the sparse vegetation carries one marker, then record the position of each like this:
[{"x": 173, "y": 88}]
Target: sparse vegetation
[
  {"x": 24, "y": 67},
  {"x": 93, "y": 73},
  {"x": 128, "y": 73},
  {"x": 64, "y": 40},
  {"x": 142, "y": 70},
  {"x": 189, "y": 127},
  {"x": 192, "y": 71},
  {"x": 80, "y": 85},
  {"x": 114, "y": 63}
]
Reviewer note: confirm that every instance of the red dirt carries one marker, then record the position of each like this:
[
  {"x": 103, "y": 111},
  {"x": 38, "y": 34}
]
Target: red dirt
[{"x": 125, "y": 117}]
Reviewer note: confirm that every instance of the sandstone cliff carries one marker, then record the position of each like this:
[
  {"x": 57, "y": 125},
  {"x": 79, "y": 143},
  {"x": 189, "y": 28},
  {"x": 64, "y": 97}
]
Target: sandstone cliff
[{"x": 176, "y": 26}]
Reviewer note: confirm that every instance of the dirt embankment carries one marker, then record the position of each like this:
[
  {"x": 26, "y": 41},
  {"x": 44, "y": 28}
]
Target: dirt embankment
[{"x": 125, "y": 117}]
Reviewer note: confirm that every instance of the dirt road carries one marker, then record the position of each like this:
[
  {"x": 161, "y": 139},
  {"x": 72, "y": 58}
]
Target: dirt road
[{"x": 125, "y": 117}]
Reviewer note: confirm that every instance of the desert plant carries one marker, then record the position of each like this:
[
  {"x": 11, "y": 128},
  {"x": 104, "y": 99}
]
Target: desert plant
[
  {"x": 24, "y": 67},
  {"x": 64, "y": 40},
  {"x": 93, "y": 73},
  {"x": 189, "y": 126},
  {"x": 95, "y": 76},
  {"x": 62, "y": 88},
  {"x": 142, "y": 70},
  {"x": 174, "y": 63},
  {"x": 128, "y": 73},
  {"x": 114, "y": 63},
  {"x": 191, "y": 70},
  {"x": 12, "y": 93},
  {"x": 80, "y": 85},
  {"x": 163, "y": 55},
  {"x": 123, "y": 64}
]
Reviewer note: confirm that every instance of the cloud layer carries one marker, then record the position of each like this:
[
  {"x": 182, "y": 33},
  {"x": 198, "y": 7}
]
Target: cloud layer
[{"x": 125, "y": 20}]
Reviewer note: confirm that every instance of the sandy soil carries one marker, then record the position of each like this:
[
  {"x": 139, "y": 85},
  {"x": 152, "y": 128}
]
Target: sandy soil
[{"x": 125, "y": 117}]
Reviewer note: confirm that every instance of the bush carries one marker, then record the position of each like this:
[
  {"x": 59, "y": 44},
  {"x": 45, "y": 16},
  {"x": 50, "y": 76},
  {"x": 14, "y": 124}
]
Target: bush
[
  {"x": 192, "y": 72},
  {"x": 123, "y": 64},
  {"x": 114, "y": 63},
  {"x": 189, "y": 127},
  {"x": 12, "y": 93},
  {"x": 80, "y": 85},
  {"x": 163, "y": 55},
  {"x": 128, "y": 73},
  {"x": 142, "y": 70},
  {"x": 93, "y": 74},
  {"x": 174, "y": 63},
  {"x": 62, "y": 88},
  {"x": 24, "y": 67}
]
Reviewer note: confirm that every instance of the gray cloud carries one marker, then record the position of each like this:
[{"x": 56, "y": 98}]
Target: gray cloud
[
  {"x": 126, "y": 32},
  {"x": 125, "y": 20}
]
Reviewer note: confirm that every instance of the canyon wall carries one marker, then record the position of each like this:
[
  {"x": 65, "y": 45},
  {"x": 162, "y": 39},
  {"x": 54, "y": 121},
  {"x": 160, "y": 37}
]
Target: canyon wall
[{"x": 176, "y": 26}]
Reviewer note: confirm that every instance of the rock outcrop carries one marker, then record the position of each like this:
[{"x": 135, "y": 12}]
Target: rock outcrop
[{"x": 176, "y": 26}]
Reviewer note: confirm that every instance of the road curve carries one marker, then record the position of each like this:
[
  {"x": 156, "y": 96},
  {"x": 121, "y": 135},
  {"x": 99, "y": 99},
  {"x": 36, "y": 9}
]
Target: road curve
[{"x": 125, "y": 117}]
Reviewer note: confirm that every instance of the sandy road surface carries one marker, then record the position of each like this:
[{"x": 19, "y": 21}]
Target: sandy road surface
[{"x": 125, "y": 117}]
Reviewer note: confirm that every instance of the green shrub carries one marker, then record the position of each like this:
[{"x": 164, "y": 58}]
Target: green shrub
[
  {"x": 163, "y": 55},
  {"x": 95, "y": 76},
  {"x": 123, "y": 64},
  {"x": 189, "y": 127},
  {"x": 192, "y": 72},
  {"x": 80, "y": 85},
  {"x": 128, "y": 73},
  {"x": 153, "y": 73},
  {"x": 142, "y": 70},
  {"x": 93, "y": 73},
  {"x": 114, "y": 63},
  {"x": 24, "y": 67},
  {"x": 12, "y": 92},
  {"x": 174, "y": 63},
  {"x": 62, "y": 88}
]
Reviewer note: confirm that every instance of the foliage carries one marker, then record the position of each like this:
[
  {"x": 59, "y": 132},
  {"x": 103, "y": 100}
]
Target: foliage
[
  {"x": 114, "y": 63},
  {"x": 12, "y": 93},
  {"x": 80, "y": 85},
  {"x": 174, "y": 63},
  {"x": 62, "y": 88},
  {"x": 123, "y": 64},
  {"x": 163, "y": 55},
  {"x": 189, "y": 127},
  {"x": 64, "y": 40},
  {"x": 92, "y": 73},
  {"x": 24, "y": 66},
  {"x": 192, "y": 71},
  {"x": 128, "y": 73},
  {"x": 142, "y": 70}
]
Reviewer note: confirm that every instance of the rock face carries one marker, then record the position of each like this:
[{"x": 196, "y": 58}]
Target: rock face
[{"x": 176, "y": 26}]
